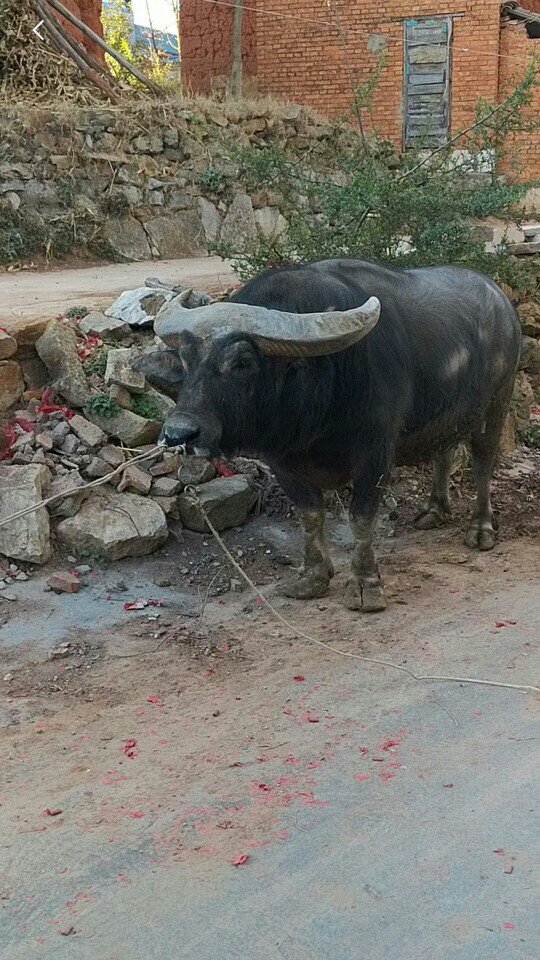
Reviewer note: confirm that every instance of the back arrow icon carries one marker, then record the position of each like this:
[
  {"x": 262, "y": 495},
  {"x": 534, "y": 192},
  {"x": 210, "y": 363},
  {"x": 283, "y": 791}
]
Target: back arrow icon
[{"x": 36, "y": 30}]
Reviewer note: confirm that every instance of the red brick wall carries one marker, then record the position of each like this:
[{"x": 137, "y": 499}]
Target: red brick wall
[
  {"x": 298, "y": 54},
  {"x": 516, "y": 52},
  {"x": 206, "y": 42},
  {"x": 89, "y": 11},
  {"x": 307, "y": 63}
]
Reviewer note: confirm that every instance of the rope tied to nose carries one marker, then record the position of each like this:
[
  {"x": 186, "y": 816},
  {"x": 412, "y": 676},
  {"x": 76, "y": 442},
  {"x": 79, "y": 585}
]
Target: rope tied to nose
[{"x": 191, "y": 492}]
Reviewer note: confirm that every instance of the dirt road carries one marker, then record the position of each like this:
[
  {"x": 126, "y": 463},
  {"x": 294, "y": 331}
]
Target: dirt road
[
  {"x": 32, "y": 293},
  {"x": 192, "y": 782}
]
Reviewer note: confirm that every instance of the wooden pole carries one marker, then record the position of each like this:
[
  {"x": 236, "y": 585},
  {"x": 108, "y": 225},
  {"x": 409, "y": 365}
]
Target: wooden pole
[
  {"x": 70, "y": 49},
  {"x": 235, "y": 86},
  {"x": 60, "y": 8}
]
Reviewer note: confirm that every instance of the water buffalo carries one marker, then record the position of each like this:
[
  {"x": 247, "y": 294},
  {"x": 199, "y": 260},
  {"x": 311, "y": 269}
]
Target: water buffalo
[{"x": 299, "y": 369}]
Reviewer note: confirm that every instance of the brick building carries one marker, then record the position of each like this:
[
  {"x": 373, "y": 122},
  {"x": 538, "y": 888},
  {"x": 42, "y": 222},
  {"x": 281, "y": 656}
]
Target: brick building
[{"x": 439, "y": 56}]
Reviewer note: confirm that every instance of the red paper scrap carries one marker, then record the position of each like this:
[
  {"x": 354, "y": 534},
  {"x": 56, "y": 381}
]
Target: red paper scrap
[{"x": 240, "y": 860}]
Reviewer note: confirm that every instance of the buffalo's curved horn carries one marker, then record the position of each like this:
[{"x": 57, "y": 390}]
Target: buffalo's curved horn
[{"x": 277, "y": 333}]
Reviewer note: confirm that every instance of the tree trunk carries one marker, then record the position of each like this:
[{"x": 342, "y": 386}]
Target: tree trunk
[{"x": 235, "y": 86}]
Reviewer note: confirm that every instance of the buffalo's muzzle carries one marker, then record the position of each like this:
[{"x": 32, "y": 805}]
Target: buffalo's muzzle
[{"x": 180, "y": 433}]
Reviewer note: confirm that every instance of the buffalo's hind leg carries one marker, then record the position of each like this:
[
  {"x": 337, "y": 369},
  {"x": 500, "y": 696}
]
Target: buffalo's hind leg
[
  {"x": 485, "y": 444},
  {"x": 312, "y": 578},
  {"x": 364, "y": 590},
  {"x": 438, "y": 507}
]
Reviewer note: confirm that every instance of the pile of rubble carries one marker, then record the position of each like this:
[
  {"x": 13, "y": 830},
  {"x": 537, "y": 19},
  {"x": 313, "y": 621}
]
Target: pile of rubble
[{"x": 80, "y": 436}]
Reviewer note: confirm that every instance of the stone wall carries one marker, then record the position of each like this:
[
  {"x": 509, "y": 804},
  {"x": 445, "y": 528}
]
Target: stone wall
[{"x": 133, "y": 183}]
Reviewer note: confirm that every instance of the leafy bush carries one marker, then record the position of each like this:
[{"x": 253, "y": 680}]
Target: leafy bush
[
  {"x": 412, "y": 210},
  {"x": 146, "y": 407},
  {"x": 102, "y": 406}
]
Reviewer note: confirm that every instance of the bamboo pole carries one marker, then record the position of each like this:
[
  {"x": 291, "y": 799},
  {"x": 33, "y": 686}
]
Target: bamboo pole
[
  {"x": 84, "y": 28},
  {"x": 69, "y": 49}
]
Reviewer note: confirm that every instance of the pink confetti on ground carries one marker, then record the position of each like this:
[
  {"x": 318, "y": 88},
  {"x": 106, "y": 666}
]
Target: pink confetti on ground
[
  {"x": 509, "y": 926},
  {"x": 240, "y": 860},
  {"x": 129, "y": 749}
]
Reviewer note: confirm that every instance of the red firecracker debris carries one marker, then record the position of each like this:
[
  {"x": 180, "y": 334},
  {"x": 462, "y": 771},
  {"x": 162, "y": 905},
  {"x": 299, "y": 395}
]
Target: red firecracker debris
[
  {"x": 299, "y": 678},
  {"x": 47, "y": 405},
  {"x": 509, "y": 926},
  {"x": 388, "y": 744},
  {"x": 152, "y": 699},
  {"x": 223, "y": 469},
  {"x": 505, "y": 623},
  {"x": 240, "y": 860},
  {"x": 361, "y": 777},
  {"x": 129, "y": 749},
  {"x": 499, "y": 851},
  {"x": 142, "y": 604},
  {"x": 51, "y": 813}
]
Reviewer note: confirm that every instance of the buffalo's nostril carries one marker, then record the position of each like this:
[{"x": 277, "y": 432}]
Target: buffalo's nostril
[{"x": 180, "y": 436}]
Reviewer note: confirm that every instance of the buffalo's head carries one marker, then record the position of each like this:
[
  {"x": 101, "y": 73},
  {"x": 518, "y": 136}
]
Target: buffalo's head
[{"x": 225, "y": 370}]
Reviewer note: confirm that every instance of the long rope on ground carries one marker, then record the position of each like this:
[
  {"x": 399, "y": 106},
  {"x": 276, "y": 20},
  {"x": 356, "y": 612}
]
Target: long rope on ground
[{"x": 191, "y": 492}]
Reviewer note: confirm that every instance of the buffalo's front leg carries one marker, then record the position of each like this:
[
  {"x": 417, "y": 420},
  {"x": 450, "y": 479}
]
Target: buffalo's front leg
[
  {"x": 313, "y": 576},
  {"x": 364, "y": 590}
]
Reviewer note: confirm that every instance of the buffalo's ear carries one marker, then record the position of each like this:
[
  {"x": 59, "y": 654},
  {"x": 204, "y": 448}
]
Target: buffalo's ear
[
  {"x": 163, "y": 369},
  {"x": 238, "y": 357}
]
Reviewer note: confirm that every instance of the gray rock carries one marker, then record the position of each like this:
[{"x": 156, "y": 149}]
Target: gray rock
[
  {"x": 135, "y": 479},
  {"x": 271, "y": 224},
  {"x": 139, "y": 307},
  {"x": 57, "y": 347},
  {"x": 97, "y": 468},
  {"x": 100, "y": 325},
  {"x": 70, "y": 445},
  {"x": 8, "y": 345},
  {"x": 165, "y": 487},
  {"x": 28, "y": 537},
  {"x": 178, "y": 200},
  {"x": 226, "y": 500},
  {"x": 194, "y": 471},
  {"x": 169, "y": 505},
  {"x": 115, "y": 526},
  {"x": 178, "y": 236},
  {"x": 112, "y": 455},
  {"x": 120, "y": 396},
  {"x": 38, "y": 194},
  {"x": 169, "y": 465},
  {"x": 119, "y": 370},
  {"x": 14, "y": 200},
  {"x": 132, "y": 194},
  {"x": 127, "y": 427},
  {"x": 530, "y": 355},
  {"x": 88, "y": 433},
  {"x": 127, "y": 238},
  {"x": 68, "y": 506},
  {"x": 170, "y": 137},
  {"x": 240, "y": 227},
  {"x": 60, "y": 432},
  {"x": 152, "y": 143},
  {"x": 210, "y": 218},
  {"x": 11, "y": 384}
]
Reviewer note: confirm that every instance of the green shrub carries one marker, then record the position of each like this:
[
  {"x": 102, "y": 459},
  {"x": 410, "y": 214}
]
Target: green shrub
[{"x": 102, "y": 406}]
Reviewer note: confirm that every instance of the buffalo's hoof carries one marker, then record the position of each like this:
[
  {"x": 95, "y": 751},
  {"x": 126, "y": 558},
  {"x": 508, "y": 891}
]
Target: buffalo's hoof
[
  {"x": 365, "y": 596},
  {"x": 307, "y": 586},
  {"x": 481, "y": 536},
  {"x": 433, "y": 515}
]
